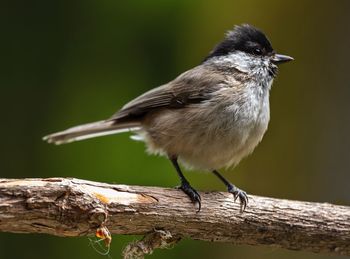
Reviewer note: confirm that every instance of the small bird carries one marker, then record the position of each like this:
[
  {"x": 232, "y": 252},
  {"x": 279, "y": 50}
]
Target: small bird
[{"x": 209, "y": 117}]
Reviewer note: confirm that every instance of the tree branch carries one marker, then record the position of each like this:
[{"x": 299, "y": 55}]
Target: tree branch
[{"x": 73, "y": 207}]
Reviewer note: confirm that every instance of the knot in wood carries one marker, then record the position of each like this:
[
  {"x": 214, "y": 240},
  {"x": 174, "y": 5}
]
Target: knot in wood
[{"x": 98, "y": 216}]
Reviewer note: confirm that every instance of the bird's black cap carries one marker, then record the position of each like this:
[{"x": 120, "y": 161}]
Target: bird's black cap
[{"x": 244, "y": 38}]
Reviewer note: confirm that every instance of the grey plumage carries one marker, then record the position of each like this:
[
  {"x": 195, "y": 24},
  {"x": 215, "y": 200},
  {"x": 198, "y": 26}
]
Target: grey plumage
[{"x": 209, "y": 116}]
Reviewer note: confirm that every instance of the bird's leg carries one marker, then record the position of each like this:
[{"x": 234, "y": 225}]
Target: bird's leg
[
  {"x": 237, "y": 193},
  {"x": 185, "y": 185}
]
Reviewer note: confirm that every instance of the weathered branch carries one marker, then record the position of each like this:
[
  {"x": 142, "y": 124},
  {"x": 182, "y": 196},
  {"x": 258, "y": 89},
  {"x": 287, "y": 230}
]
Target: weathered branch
[{"x": 72, "y": 207}]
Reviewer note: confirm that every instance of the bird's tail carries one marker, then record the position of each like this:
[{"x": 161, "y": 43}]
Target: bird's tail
[{"x": 91, "y": 130}]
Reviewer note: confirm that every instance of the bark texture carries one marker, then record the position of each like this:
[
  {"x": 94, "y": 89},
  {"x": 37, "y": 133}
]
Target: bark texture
[{"x": 73, "y": 207}]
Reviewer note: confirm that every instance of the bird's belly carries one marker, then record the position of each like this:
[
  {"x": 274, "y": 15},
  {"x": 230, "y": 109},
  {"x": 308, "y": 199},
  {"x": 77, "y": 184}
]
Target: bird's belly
[
  {"x": 202, "y": 141},
  {"x": 222, "y": 149}
]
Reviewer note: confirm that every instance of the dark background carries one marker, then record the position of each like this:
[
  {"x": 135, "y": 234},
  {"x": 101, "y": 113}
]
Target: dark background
[{"x": 65, "y": 63}]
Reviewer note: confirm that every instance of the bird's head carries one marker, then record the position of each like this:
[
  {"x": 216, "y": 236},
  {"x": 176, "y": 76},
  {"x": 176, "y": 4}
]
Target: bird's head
[{"x": 248, "y": 49}]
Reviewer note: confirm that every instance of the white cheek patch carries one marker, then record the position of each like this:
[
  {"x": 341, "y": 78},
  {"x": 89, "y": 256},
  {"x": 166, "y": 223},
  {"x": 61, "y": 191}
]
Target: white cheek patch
[{"x": 242, "y": 61}]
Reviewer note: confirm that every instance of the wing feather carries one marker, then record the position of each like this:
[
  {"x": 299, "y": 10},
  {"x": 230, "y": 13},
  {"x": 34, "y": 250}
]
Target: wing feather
[{"x": 193, "y": 86}]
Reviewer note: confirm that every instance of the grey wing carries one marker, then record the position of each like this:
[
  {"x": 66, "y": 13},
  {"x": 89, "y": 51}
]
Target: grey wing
[{"x": 193, "y": 86}]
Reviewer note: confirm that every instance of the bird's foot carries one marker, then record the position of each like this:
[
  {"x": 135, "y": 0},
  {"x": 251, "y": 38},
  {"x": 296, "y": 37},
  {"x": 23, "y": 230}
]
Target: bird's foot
[
  {"x": 238, "y": 193},
  {"x": 191, "y": 193}
]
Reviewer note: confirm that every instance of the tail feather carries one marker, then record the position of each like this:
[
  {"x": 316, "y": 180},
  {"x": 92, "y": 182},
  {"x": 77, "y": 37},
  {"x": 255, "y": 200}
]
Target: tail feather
[{"x": 91, "y": 130}]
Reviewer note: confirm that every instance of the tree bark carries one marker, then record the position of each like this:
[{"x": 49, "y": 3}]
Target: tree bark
[{"x": 73, "y": 207}]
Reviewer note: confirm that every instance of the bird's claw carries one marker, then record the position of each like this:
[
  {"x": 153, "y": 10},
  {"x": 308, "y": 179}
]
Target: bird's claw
[
  {"x": 191, "y": 193},
  {"x": 238, "y": 193}
]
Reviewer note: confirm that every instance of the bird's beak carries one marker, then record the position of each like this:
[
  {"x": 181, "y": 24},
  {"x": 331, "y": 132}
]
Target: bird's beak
[{"x": 279, "y": 58}]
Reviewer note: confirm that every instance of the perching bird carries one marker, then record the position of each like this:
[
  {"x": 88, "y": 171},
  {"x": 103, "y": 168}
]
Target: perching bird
[{"x": 209, "y": 117}]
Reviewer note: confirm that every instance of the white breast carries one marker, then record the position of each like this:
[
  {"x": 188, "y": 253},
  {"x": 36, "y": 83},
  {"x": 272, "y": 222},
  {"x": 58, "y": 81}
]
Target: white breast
[{"x": 237, "y": 131}]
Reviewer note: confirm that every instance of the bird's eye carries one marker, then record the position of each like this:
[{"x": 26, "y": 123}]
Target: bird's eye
[{"x": 257, "y": 51}]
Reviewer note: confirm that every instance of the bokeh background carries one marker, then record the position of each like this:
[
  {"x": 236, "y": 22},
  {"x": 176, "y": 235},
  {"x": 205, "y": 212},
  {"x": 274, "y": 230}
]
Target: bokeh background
[{"x": 70, "y": 62}]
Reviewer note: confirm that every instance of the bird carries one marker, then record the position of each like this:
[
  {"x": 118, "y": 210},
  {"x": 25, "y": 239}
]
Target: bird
[{"x": 208, "y": 118}]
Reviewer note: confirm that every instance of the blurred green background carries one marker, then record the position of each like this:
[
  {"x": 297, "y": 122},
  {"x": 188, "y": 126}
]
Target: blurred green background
[{"x": 65, "y": 63}]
